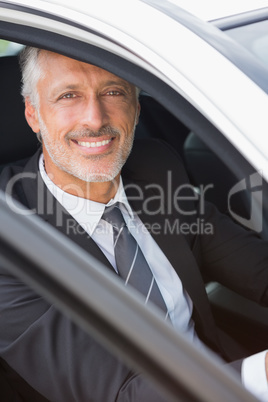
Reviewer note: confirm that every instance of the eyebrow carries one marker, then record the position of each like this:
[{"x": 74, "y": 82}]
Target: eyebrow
[
  {"x": 61, "y": 88},
  {"x": 120, "y": 82}
]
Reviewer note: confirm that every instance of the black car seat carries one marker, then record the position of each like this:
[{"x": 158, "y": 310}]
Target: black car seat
[
  {"x": 17, "y": 139},
  {"x": 157, "y": 122},
  {"x": 205, "y": 168}
]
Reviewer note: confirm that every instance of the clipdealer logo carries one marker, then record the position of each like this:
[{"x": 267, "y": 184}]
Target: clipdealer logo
[{"x": 254, "y": 186}]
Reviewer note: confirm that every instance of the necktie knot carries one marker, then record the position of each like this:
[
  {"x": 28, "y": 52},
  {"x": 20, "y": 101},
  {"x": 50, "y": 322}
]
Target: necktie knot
[{"x": 113, "y": 215}]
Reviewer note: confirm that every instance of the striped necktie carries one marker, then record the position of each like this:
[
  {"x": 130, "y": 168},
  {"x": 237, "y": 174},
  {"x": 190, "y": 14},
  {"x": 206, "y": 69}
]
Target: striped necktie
[{"x": 131, "y": 263}]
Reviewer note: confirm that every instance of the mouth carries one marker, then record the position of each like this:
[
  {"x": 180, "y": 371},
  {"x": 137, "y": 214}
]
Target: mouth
[
  {"x": 96, "y": 144},
  {"x": 91, "y": 146}
]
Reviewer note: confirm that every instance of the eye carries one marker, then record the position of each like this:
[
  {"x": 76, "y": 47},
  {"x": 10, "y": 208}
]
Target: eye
[
  {"x": 68, "y": 95},
  {"x": 113, "y": 93}
]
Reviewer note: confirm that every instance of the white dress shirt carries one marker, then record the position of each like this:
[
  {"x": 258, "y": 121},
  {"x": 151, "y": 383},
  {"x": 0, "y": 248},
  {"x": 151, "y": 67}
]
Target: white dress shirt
[{"x": 88, "y": 214}]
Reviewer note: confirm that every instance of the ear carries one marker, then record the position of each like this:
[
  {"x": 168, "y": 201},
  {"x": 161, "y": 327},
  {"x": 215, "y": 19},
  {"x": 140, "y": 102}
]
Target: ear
[{"x": 31, "y": 116}]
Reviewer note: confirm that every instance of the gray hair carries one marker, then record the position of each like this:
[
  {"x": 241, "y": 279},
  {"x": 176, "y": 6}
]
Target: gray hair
[{"x": 31, "y": 73}]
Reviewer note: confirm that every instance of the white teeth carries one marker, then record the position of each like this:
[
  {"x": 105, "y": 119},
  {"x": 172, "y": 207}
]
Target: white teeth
[{"x": 93, "y": 144}]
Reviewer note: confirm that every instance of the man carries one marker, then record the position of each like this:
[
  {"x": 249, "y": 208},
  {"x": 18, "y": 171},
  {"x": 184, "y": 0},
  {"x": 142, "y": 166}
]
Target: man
[{"x": 86, "y": 118}]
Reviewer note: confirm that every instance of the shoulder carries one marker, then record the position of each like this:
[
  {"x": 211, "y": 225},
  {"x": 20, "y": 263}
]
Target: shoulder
[{"x": 13, "y": 175}]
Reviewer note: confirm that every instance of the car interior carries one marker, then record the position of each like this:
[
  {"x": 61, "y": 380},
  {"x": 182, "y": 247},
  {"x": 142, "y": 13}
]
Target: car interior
[{"x": 240, "y": 318}]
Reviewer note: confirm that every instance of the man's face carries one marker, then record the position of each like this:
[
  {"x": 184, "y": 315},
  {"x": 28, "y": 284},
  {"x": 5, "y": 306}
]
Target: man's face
[{"x": 86, "y": 116}]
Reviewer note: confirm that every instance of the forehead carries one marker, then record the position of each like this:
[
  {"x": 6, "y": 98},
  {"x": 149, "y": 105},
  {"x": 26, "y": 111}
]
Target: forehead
[{"x": 63, "y": 68}]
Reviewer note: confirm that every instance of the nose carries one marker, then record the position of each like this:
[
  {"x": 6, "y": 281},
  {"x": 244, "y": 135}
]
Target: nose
[{"x": 94, "y": 115}]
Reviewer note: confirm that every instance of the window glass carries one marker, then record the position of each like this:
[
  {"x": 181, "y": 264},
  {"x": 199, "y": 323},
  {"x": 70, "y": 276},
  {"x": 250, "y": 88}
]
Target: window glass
[
  {"x": 254, "y": 37},
  {"x": 8, "y": 48}
]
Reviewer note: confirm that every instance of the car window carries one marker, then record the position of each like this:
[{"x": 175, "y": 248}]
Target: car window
[
  {"x": 253, "y": 37},
  {"x": 8, "y": 48}
]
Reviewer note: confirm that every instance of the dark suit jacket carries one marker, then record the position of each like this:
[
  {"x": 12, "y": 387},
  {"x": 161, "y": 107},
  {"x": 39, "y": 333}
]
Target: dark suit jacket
[{"x": 60, "y": 360}]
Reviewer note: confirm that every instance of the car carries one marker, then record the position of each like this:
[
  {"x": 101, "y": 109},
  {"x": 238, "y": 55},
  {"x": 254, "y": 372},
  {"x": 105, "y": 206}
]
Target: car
[{"x": 204, "y": 91}]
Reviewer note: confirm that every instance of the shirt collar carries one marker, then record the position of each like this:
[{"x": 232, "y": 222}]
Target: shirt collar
[{"x": 80, "y": 208}]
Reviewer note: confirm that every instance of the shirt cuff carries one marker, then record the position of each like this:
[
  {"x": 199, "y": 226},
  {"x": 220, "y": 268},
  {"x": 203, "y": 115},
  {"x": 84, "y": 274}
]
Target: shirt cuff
[{"x": 254, "y": 376}]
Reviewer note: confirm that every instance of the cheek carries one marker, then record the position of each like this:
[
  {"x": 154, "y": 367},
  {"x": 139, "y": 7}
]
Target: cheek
[
  {"x": 59, "y": 123},
  {"x": 127, "y": 120}
]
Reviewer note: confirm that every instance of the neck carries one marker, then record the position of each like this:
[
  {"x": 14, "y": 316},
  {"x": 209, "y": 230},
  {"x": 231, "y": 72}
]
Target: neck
[{"x": 101, "y": 192}]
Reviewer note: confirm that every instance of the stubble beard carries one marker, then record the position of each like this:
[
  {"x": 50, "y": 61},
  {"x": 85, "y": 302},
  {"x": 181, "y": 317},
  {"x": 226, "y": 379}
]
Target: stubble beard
[{"x": 89, "y": 172}]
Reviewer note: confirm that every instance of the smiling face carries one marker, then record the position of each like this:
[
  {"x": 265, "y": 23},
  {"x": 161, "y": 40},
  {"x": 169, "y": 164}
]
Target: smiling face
[{"x": 86, "y": 117}]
